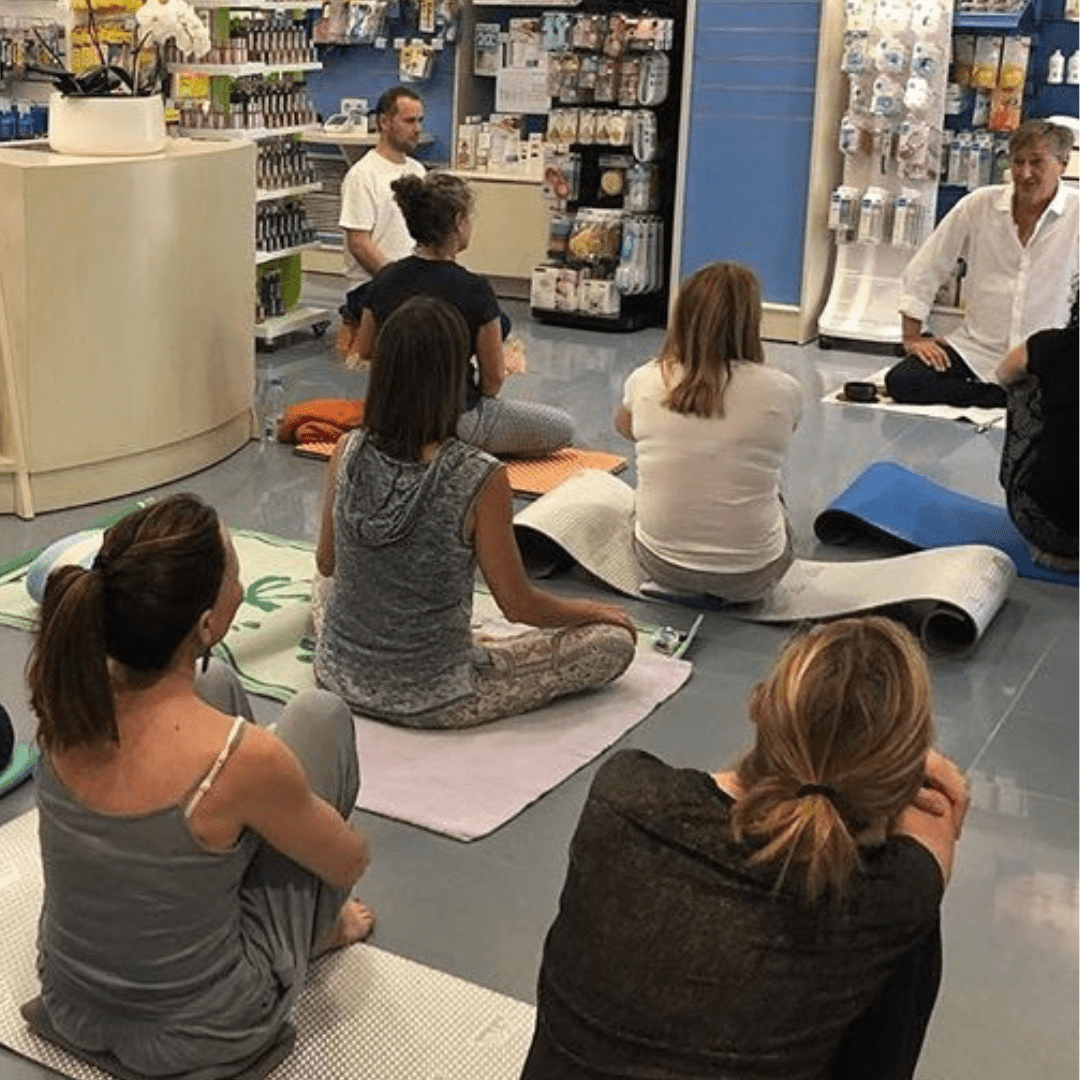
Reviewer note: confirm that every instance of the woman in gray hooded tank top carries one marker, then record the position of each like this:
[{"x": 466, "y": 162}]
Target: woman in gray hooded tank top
[
  {"x": 408, "y": 513},
  {"x": 193, "y": 862}
]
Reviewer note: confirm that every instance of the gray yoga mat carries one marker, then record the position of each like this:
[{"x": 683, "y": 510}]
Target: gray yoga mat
[
  {"x": 948, "y": 596},
  {"x": 364, "y": 1015}
]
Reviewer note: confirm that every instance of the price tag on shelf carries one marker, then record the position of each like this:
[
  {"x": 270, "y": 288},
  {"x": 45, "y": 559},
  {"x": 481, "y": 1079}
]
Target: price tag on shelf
[
  {"x": 438, "y": 43},
  {"x": 379, "y": 43},
  {"x": 399, "y": 43}
]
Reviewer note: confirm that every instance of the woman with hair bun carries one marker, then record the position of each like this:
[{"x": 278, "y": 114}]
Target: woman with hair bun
[
  {"x": 438, "y": 210},
  {"x": 778, "y": 920},
  {"x": 194, "y": 863}
]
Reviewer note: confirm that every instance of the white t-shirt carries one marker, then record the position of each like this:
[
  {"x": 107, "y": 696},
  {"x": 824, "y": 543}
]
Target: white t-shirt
[
  {"x": 708, "y": 490},
  {"x": 367, "y": 204}
]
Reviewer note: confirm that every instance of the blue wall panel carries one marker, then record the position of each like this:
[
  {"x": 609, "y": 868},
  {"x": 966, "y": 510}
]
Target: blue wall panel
[{"x": 749, "y": 139}]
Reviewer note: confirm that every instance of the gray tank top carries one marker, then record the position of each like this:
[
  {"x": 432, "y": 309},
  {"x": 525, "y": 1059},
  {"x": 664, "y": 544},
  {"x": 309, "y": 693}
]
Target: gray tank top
[
  {"x": 142, "y": 946},
  {"x": 396, "y": 642}
]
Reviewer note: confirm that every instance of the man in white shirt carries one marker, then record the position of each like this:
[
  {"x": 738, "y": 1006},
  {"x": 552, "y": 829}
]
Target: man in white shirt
[
  {"x": 1019, "y": 241},
  {"x": 375, "y": 231}
]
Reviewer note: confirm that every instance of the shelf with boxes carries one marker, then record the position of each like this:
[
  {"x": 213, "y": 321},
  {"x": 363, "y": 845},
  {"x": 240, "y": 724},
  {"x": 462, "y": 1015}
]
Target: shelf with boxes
[
  {"x": 251, "y": 86},
  {"x": 581, "y": 107}
]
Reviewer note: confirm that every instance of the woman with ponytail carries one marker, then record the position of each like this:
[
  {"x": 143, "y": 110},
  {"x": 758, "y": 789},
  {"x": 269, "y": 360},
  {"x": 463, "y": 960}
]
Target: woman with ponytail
[
  {"x": 775, "y": 921},
  {"x": 194, "y": 862}
]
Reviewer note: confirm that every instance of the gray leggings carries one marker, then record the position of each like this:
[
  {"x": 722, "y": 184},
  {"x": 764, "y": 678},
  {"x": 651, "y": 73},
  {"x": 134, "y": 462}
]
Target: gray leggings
[
  {"x": 282, "y": 901},
  {"x": 520, "y": 674},
  {"x": 510, "y": 428},
  {"x": 735, "y": 588}
]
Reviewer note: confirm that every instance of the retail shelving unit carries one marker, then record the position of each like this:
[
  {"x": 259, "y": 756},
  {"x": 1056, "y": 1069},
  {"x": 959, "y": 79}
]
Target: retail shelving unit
[{"x": 278, "y": 268}]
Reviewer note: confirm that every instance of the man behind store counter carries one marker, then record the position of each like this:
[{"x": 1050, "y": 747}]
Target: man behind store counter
[
  {"x": 375, "y": 231},
  {"x": 1020, "y": 244}
]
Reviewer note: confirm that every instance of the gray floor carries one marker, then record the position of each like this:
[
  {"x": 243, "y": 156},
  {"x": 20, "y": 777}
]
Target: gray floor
[{"x": 1007, "y": 714}]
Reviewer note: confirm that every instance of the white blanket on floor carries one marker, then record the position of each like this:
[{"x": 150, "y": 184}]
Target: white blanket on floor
[{"x": 984, "y": 419}]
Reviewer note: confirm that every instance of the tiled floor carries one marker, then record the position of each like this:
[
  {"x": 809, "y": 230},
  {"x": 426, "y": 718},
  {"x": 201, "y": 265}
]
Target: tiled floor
[{"x": 1007, "y": 713}]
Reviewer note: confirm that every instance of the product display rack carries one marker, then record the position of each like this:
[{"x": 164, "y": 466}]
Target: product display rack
[
  {"x": 218, "y": 83},
  {"x": 565, "y": 40},
  {"x": 896, "y": 57}
]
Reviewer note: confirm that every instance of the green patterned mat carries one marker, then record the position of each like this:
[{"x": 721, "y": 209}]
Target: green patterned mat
[{"x": 270, "y": 642}]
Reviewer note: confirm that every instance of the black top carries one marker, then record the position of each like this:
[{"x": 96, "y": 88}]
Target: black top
[
  {"x": 417, "y": 276},
  {"x": 1052, "y": 359},
  {"x": 671, "y": 957}
]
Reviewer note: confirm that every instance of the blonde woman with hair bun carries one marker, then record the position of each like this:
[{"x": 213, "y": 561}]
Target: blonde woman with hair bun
[
  {"x": 712, "y": 423},
  {"x": 778, "y": 920}
]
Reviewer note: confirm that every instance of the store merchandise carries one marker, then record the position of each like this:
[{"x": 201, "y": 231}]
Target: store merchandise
[
  {"x": 282, "y": 163},
  {"x": 605, "y": 85},
  {"x": 281, "y": 224}
]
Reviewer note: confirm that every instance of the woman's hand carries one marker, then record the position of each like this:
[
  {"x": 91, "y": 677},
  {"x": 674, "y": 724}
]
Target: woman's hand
[
  {"x": 936, "y": 814},
  {"x": 945, "y": 790},
  {"x": 595, "y": 611}
]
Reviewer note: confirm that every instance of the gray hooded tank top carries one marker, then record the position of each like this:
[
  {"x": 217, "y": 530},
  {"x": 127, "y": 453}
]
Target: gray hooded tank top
[{"x": 396, "y": 642}]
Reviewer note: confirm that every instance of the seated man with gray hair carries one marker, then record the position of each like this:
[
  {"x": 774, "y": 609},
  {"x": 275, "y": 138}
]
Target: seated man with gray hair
[{"x": 1019, "y": 241}]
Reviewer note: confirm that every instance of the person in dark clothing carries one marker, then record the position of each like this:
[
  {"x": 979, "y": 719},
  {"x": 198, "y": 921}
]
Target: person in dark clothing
[
  {"x": 438, "y": 210},
  {"x": 1039, "y": 461},
  {"x": 775, "y": 921}
]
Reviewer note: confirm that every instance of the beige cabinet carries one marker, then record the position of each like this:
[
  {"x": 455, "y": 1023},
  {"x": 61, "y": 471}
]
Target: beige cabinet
[{"x": 126, "y": 319}]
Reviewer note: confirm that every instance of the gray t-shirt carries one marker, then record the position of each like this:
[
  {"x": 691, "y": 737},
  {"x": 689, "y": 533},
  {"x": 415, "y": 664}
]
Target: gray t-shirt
[{"x": 396, "y": 641}]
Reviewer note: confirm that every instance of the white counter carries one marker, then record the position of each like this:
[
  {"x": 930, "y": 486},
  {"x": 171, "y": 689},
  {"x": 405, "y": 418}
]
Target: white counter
[{"x": 126, "y": 318}]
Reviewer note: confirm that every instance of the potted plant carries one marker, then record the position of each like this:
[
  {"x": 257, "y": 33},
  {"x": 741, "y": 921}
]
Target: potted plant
[{"x": 115, "y": 105}]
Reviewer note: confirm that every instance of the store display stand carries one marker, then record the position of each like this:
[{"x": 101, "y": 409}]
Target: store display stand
[
  {"x": 896, "y": 56},
  {"x": 279, "y": 271}
]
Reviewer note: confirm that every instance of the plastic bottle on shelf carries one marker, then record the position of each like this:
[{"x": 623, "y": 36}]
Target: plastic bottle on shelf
[
  {"x": 273, "y": 407},
  {"x": 1055, "y": 68},
  {"x": 1072, "y": 69}
]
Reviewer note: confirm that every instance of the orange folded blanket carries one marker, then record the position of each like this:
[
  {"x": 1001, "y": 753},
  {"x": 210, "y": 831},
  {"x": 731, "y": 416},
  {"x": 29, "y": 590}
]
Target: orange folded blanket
[{"x": 323, "y": 420}]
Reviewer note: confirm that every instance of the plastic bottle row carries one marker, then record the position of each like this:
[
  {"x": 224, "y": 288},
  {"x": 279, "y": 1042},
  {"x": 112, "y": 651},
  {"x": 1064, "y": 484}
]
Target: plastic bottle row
[
  {"x": 275, "y": 40},
  {"x": 282, "y": 163},
  {"x": 281, "y": 225},
  {"x": 252, "y": 105},
  {"x": 22, "y": 120},
  {"x": 269, "y": 298},
  {"x": 877, "y": 216}
]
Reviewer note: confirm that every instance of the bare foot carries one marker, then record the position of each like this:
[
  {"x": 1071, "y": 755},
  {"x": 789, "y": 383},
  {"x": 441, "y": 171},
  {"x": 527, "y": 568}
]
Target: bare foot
[{"x": 354, "y": 923}]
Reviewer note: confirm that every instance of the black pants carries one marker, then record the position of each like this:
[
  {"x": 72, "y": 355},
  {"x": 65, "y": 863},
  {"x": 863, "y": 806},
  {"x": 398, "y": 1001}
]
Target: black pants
[
  {"x": 914, "y": 382},
  {"x": 884, "y": 1043}
]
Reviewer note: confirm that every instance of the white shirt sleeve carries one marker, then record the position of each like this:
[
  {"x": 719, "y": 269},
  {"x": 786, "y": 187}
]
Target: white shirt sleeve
[{"x": 934, "y": 261}]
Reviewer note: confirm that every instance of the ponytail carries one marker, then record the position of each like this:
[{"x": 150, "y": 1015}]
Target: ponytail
[
  {"x": 68, "y": 674},
  {"x": 843, "y": 730},
  {"x": 157, "y": 571}
]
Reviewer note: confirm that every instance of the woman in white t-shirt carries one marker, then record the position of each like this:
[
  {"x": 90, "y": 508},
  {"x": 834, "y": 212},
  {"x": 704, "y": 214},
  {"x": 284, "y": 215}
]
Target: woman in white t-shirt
[{"x": 712, "y": 425}]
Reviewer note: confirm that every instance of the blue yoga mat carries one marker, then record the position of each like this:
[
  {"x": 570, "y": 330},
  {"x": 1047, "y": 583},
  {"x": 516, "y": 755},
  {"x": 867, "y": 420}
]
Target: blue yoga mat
[{"x": 890, "y": 504}]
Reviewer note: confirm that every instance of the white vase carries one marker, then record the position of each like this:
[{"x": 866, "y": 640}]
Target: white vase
[{"x": 112, "y": 126}]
